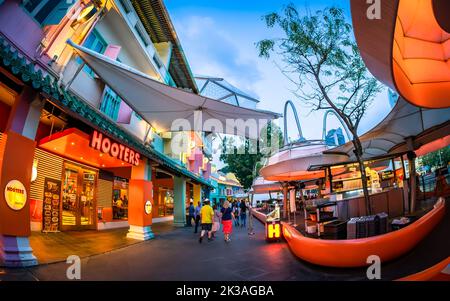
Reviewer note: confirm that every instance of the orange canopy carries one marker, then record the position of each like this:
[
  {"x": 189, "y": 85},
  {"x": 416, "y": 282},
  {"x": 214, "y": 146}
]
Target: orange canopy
[{"x": 407, "y": 49}]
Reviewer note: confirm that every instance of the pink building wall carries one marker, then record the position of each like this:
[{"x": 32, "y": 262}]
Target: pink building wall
[{"x": 20, "y": 28}]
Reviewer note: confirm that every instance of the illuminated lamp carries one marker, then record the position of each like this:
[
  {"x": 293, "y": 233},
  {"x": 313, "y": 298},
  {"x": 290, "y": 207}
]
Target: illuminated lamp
[
  {"x": 85, "y": 15},
  {"x": 34, "y": 172},
  {"x": 408, "y": 49},
  {"x": 273, "y": 231}
]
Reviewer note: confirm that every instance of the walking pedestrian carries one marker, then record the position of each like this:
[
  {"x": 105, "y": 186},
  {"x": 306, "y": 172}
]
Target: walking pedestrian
[
  {"x": 243, "y": 213},
  {"x": 191, "y": 213},
  {"x": 250, "y": 220},
  {"x": 197, "y": 216},
  {"x": 206, "y": 216},
  {"x": 216, "y": 221},
  {"x": 236, "y": 211},
  {"x": 227, "y": 220}
]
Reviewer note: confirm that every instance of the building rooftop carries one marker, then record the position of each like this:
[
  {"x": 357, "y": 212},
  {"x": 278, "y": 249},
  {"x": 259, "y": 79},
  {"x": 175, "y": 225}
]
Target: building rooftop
[
  {"x": 157, "y": 23},
  {"x": 220, "y": 89}
]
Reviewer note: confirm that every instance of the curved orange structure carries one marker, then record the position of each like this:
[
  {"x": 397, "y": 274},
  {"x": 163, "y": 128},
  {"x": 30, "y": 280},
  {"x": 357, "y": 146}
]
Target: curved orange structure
[
  {"x": 354, "y": 252},
  {"x": 430, "y": 274},
  {"x": 408, "y": 48}
]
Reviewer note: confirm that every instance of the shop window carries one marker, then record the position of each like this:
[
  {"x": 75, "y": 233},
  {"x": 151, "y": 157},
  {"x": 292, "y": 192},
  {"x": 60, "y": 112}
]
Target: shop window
[
  {"x": 110, "y": 104},
  {"x": 120, "y": 199},
  {"x": 166, "y": 207},
  {"x": 47, "y": 12}
]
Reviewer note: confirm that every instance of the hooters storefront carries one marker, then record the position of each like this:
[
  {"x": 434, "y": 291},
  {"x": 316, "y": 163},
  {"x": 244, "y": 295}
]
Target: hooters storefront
[{"x": 80, "y": 181}]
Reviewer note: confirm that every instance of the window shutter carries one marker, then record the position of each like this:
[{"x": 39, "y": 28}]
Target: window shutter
[{"x": 58, "y": 13}]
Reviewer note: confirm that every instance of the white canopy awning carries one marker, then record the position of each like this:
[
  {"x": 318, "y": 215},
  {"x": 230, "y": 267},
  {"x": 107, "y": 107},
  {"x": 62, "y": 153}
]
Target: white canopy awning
[
  {"x": 404, "y": 121},
  {"x": 160, "y": 104},
  {"x": 293, "y": 163},
  {"x": 260, "y": 186}
]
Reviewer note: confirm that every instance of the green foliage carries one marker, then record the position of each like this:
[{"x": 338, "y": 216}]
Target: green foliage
[
  {"x": 243, "y": 158},
  {"x": 437, "y": 159},
  {"x": 323, "y": 60}
]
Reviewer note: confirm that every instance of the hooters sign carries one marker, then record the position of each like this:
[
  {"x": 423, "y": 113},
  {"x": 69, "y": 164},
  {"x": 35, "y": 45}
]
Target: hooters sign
[{"x": 114, "y": 149}]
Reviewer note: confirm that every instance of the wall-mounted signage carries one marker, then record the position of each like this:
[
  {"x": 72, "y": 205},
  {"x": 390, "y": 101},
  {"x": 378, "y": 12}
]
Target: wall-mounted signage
[
  {"x": 148, "y": 207},
  {"x": 52, "y": 200},
  {"x": 114, "y": 149},
  {"x": 15, "y": 195}
]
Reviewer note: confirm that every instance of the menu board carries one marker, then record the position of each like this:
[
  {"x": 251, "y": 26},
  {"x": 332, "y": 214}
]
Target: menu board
[
  {"x": 388, "y": 174},
  {"x": 51, "y": 210}
]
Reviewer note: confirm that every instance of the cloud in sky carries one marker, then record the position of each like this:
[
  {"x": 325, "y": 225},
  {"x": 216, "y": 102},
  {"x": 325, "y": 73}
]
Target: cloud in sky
[
  {"x": 219, "y": 39},
  {"x": 215, "y": 52}
]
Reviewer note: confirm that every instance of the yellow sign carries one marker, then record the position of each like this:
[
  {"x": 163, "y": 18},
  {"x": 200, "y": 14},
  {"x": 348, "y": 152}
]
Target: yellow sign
[
  {"x": 15, "y": 195},
  {"x": 273, "y": 231},
  {"x": 148, "y": 207}
]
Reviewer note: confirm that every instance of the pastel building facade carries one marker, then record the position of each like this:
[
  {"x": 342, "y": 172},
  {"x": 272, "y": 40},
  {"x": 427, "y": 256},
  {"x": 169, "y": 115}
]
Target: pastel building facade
[{"x": 73, "y": 155}]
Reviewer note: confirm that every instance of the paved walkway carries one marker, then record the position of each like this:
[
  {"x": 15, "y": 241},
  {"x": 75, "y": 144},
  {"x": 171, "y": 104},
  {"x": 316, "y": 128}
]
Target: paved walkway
[
  {"x": 177, "y": 255},
  {"x": 56, "y": 247}
]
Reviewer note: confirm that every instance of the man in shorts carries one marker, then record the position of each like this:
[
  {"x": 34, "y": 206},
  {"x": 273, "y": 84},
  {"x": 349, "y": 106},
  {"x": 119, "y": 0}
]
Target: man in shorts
[{"x": 206, "y": 218}]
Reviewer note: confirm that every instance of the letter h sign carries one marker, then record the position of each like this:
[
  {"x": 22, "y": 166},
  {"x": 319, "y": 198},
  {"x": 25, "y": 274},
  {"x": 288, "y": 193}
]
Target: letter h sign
[{"x": 273, "y": 231}]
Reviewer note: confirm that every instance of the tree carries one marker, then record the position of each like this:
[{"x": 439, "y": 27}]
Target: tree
[
  {"x": 437, "y": 159},
  {"x": 243, "y": 158},
  {"x": 322, "y": 59}
]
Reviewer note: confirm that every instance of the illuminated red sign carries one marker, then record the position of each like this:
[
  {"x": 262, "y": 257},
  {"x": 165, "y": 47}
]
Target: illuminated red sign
[{"x": 114, "y": 149}]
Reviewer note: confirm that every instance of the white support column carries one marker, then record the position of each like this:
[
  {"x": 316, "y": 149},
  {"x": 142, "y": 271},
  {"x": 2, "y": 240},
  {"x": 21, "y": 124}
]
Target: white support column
[{"x": 179, "y": 202}]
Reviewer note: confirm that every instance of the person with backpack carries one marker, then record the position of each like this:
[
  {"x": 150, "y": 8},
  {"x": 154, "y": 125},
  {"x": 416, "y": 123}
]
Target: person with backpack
[
  {"x": 243, "y": 213},
  {"x": 237, "y": 213}
]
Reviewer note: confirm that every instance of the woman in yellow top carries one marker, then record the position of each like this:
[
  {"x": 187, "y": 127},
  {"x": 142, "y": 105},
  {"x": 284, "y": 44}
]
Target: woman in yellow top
[{"x": 206, "y": 218}]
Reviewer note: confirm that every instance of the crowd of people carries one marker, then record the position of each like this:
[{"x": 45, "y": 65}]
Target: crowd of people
[{"x": 212, "y": 218}]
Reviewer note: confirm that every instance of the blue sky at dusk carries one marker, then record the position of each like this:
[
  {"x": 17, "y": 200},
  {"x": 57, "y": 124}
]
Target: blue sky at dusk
[{"x": 219, "y": 38}]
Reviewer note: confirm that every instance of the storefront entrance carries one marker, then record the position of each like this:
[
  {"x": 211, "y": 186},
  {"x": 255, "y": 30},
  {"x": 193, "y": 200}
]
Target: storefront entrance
[{"x": 78, "y": 198}]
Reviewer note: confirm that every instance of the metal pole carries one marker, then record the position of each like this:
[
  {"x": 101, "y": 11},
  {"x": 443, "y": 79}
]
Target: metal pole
[
  {"x": 295, "y": 204},
  {"x": 285, "y": 190},
  {"x": 289, "y": 206},
  {"x": 412, "y": 179}
]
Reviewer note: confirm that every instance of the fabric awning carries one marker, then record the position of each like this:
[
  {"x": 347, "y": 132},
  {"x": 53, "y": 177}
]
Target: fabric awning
[
  {"x": 260, "y": 186},
  {"x": 293, "y": 164},
  {"x": 160, "y": 104},
  {"x": 404, "y": 121}
]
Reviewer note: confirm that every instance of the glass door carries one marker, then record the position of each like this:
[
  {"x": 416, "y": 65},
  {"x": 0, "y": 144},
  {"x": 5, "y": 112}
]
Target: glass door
[
  {"x": 87, "y": 199},
  {"x": 78, "y": 200},
  {"x": 69, "y": 198}
]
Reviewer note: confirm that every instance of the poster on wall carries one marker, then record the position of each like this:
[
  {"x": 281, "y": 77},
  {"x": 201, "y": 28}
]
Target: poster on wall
[{"x": 52, "y": 200}]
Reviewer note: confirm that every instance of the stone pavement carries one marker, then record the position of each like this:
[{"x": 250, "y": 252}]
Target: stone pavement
[
  {"x": 176, "y": 255},
  {"x": 56, "y": 247}
]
